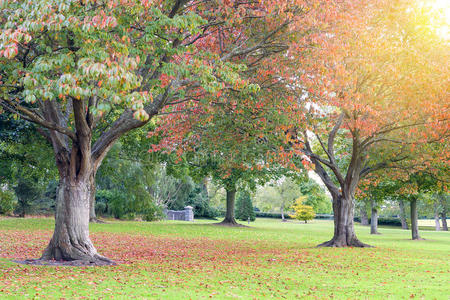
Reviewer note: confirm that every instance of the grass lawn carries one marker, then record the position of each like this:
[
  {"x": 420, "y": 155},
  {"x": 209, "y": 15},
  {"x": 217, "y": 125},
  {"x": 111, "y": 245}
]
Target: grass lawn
[{"x": 271, "y": 259}]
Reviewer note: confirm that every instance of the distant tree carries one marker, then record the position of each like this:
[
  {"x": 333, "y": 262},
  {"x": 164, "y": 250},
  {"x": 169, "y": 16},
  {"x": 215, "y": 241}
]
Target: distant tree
[
  {"x": 244, "y": 207},
  {"x": 403, "y": 216},
  {"x": 412, "y": 185},
  {"x": 226, "y": 143},
  {"x": 168, "y": 191},
  {"x": 374, "y": 195},
  {"x": 444, "y": 200},
  {"x": 315, "y": 196},
  {"x": 27, "y": 191},
  {"x": 302, "y": 211},
  {"x": 198, "y": 198},
  {"x": 436, "y": 210},
  {"x": 277, "y": 196},
  {"x": 281, "y": 194},
  {"x": 184, "y": 192},
  {"x": 362, "y": 206}
]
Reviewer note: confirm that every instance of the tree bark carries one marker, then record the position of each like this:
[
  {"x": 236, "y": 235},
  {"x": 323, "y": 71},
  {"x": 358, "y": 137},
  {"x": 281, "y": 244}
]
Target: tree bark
[
  {"x": 443, "y": 213},
  {"x": 436, "y": 217},
  {"x": 414, "y": 220},
  {"x": 92, "y": 215},
  {"x": 403, "y": 215},
  {"x": 282, "y": 213},
  {"x": 344, "y": 231},
  {"x": 70, "y": 239},
  {"x": 229, "y": 215},
  {"x": 374, "y": 219},
  {"x": 444, "y": 222},
  {"x": 364, "y": 218}
]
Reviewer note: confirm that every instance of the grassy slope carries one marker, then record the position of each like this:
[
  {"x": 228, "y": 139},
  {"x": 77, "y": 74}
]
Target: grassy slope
[{"x": 176, "y": 260}]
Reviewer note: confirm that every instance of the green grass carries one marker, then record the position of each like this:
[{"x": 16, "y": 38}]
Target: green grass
[{"x": 271, "y": 259}]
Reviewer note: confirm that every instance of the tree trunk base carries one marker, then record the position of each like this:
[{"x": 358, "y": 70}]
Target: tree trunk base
[
  {"x": 375, "y": 233},
  {"x": 67, "y": 263},
  {"x": 70, "y": 245},
  {"x": 74, "y": 256},
  {"x": 343, "y": 243},
  {"x": 418, "y": 239},
  {"x": 230, "y": 223}
]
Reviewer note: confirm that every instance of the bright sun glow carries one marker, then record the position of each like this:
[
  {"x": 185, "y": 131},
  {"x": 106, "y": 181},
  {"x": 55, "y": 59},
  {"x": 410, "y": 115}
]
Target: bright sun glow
[{"x": 441, "y": 16}]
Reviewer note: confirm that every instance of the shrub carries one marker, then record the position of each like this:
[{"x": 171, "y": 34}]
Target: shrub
[
  {"x": 153, "y": 212},
  {"x": 324, "y": 216},
  {"x": 303, "y": 212},
  {"x": 131, "y": 216},
  {"x": 7, "y": 202},
  {"x": 270, "y": 215},
  {"x": 387, "y": 221}
]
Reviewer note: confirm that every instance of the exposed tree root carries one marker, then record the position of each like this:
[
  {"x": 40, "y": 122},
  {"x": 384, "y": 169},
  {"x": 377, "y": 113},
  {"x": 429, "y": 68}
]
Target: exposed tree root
[
  {"x": 69, "y": 249},
  {"x": 229, "y": 223},
  {"x": 96, "y": 220},
  {"x": 343, "y": 243},
  {"x": 92, "y": 262}
]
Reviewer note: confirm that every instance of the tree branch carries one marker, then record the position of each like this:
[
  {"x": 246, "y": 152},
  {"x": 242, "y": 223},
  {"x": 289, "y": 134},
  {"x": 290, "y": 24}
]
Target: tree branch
[
  {"x": 237, "y": 52},
  {"x": 320, "y": 170},
  {"x": 33, "y": 117}
]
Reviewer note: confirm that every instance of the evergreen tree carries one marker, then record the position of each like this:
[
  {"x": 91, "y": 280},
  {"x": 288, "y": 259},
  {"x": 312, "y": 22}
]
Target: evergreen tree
[{"x": 244, "y": 207}]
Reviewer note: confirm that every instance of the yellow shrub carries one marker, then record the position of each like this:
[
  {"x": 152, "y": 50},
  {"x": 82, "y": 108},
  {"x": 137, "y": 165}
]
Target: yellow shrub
[{"x": 303, "y": 212}]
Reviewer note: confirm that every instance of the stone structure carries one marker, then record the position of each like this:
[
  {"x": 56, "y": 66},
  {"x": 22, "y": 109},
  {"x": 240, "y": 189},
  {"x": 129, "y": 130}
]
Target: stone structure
[{"x": 183, "y": 215}]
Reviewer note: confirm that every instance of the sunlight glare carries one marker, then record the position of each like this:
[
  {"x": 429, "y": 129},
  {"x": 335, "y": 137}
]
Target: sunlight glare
[{"x": 441, "y": 16}]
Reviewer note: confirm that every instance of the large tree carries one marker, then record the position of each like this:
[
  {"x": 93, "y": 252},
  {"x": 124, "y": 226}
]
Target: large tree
[
  {"x": 375, "y": 92},
  {"x": 69, "y": 66}
]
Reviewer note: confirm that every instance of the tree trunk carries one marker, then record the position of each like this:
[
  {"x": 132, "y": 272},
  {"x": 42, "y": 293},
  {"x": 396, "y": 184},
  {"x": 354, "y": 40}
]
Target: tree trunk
[
  {"x": 77, "y": 168},
  {"x": 22, "y": 203},
  {"x": 364, "y": 218},
  {"x": 403, "y": 215},
  {"x": 436, "y": 217},
  {"x": 414, "y": 219},
  {"x": 229, "y": 215},
  {"x": 70, "y": 239},
  {"x": 444, "y": 222},
  {"x": 344, "y": 231},
  {"x": 443, "y": 213},
  {"x": 22, "y": 213},
  {"x": 92, "y": 214},
  {"x": 374, "y": 219},
  {"x": 282, "y": 213}
]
